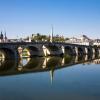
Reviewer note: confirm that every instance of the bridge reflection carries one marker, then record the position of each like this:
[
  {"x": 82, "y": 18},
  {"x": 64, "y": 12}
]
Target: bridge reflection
[{"x": 40, "y": 64}]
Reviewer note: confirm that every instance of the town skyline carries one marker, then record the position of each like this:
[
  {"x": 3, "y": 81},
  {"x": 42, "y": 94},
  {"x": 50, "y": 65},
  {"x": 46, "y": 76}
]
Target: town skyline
[{"x": 49, "y": 34}]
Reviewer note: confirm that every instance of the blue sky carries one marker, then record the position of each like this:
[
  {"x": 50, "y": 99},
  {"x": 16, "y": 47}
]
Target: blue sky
[{"x": 69, "y": 17}]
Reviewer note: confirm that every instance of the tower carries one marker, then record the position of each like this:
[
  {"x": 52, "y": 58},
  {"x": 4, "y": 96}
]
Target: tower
[{"x": 51, "y": 37}]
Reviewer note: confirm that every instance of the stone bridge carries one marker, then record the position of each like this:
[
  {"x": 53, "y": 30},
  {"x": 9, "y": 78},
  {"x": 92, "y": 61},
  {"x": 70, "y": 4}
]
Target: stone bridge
[{"x": 15, "y": 50}]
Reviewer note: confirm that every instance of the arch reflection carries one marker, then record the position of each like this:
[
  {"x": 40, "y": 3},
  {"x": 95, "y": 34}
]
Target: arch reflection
[{"x": 41, "y": 64}]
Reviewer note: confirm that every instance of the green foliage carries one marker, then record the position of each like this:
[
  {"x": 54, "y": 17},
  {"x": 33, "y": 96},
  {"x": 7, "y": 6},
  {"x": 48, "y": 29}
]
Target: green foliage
[
  {"x": 38, "y": 37},
  {"x": 66, "y": 39}
]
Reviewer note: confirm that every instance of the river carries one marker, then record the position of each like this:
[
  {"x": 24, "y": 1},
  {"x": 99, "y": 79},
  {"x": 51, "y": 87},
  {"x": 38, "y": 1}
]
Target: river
[{"x": 50, "y": 78}]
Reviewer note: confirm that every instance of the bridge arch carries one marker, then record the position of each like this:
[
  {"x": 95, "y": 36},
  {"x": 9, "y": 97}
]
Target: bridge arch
[
  {"x": 69, "y": 50},
  {"x": 33, "y": 63},
  {"x": 28, "y": 51},
  {"x": 8, "y": 53},
  {"x": 90, "y": 51},
  {"x": 7, "y": 65},
  {"x": 80, "y": 50},
  {"x": 96, "y": 51},
  {"x": 52, "y": 50},
  {"x": 34, "y": 51},
  {"x": 53, "y": 62}
]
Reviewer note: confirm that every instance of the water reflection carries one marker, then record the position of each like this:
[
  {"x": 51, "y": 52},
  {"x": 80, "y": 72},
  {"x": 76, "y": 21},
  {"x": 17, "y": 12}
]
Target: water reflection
[
  {"x": 38, "y": 64},
  {"x": 79, "y": 82}
]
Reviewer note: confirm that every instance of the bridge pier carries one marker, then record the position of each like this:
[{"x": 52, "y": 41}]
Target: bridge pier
[
  {"x": 76, "y": 51},
  {"x": 63, "y": 50},
  {"x": 20, "y": 51},
  {"x": 45, "y": 50},
  {"x": 93, "y": 50},
  {"x": 86, "y": 50},
  {"x": 99, "y": 52}
]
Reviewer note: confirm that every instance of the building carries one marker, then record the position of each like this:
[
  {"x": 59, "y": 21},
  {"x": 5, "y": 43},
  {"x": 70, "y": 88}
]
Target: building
[
  {"x": 82, "y": 40},
  {"x": 96, "y": 42}
]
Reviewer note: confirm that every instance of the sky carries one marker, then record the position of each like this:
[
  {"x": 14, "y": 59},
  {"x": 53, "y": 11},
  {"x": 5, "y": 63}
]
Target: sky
[{"x": 70, "y": 18}]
